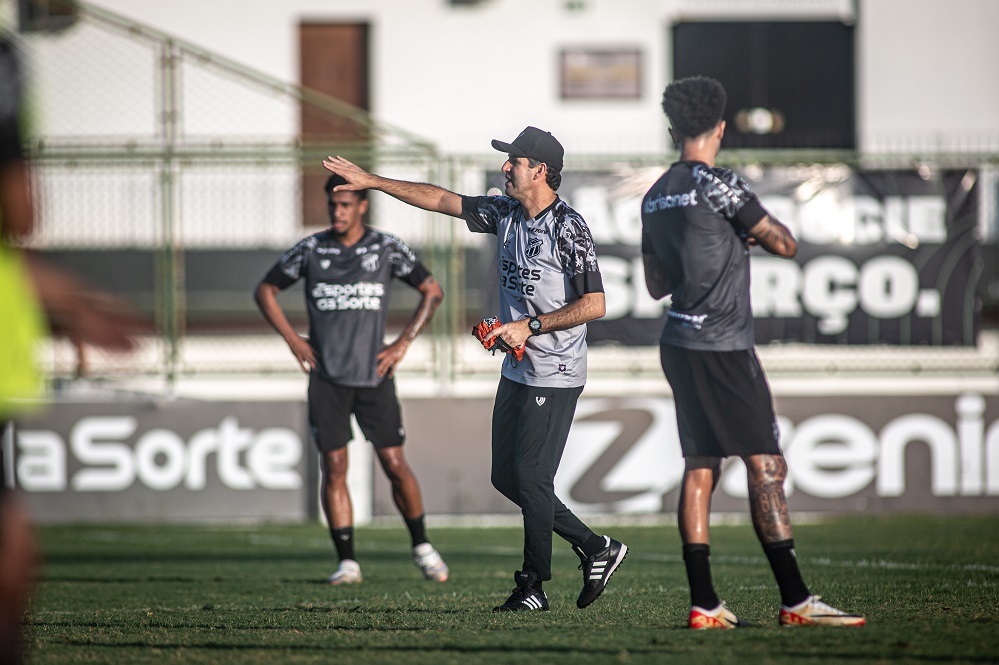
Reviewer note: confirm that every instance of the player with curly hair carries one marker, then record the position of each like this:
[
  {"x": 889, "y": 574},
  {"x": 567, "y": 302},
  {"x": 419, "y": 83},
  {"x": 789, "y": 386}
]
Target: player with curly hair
[{"x": 698, "y": 224}]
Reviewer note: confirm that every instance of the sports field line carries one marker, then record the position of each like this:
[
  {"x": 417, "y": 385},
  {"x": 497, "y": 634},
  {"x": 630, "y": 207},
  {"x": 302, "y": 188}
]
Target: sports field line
[
  {"x": 322, "y": 543},
  {"x": 305, "y": 604},
  {"x": 820, "y": 561}
]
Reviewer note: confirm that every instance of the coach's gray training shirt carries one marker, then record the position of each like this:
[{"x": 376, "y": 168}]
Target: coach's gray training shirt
[{"x": 544, "y": 264}]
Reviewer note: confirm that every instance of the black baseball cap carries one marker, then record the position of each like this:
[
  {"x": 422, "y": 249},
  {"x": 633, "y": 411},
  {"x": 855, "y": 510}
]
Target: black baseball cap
[{"x": 536, "y": 144}]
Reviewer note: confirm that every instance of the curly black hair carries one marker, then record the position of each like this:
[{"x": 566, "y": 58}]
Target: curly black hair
[
  {"x": 335, "y": 180},
  {"x": 694, "y": 104}
]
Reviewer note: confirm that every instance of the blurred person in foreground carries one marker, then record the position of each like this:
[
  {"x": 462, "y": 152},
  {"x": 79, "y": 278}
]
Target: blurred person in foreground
[
  {"x": 698, "y": 224},
  {"x": 349, "y": 270},
  {"x": 34, "y": 295},
  {"x": 550, "y": 287}
]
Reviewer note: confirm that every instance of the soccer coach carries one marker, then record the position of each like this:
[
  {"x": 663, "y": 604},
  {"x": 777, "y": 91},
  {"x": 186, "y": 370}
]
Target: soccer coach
[{"x": 550, "y": 287}]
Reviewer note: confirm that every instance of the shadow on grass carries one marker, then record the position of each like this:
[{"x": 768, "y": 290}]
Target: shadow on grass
[
  {"x": 223, "y": 556},
  {"x": 654, "y": 647},
  {"x": 340, "y": 648}
]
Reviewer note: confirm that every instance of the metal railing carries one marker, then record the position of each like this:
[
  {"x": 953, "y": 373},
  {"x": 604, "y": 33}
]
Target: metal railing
[{"x": 154, "y": 158}]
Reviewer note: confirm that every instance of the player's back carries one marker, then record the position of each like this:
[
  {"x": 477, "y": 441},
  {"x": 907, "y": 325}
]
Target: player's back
[{"x": 686, "y": 227}]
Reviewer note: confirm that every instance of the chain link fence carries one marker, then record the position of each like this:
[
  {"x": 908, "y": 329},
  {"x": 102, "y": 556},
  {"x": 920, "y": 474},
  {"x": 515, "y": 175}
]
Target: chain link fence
[{"x": 175, "y": 178}]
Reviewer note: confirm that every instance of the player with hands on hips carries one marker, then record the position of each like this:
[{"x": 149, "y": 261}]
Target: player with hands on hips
[
  {"x": 349, "y": 270},
  {"x": 549, "y": 288}
]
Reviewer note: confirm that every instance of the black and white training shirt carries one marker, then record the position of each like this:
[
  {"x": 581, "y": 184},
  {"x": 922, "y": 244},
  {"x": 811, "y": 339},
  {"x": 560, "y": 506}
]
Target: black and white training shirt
[
  {"x": 544, "y": 264},
  {"x": 694, "y": 222},
  {"x": 347, "y": 296}
]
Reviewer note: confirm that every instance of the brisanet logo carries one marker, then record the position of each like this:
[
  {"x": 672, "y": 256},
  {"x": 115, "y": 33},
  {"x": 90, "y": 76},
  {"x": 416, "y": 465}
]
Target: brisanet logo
[{"x": 111, "y": 454}]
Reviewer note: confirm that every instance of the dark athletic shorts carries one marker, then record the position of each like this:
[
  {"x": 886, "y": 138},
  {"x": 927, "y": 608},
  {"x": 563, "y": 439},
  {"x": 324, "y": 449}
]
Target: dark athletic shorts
[
  {"x": 376, "y": 409},
  {"x": 723, "y": 402}
]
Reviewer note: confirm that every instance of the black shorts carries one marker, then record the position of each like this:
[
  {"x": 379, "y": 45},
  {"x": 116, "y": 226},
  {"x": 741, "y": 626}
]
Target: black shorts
[
  {"x": 723, "y": 402},
  {"x": 376, "y": 409}
]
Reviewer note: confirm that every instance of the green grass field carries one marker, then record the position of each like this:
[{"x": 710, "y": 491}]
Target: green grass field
[{"x": 255, "y": 594}]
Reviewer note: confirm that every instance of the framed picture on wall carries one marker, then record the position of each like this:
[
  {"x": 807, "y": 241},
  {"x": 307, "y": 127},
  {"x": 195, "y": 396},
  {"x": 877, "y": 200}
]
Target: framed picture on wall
[{"x": 591, "y": 73}]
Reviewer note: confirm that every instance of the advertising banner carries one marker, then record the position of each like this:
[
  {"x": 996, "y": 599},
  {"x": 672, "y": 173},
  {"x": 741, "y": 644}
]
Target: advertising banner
[
  {"x": 196, "y": 461},
  {"x": 172, "y": 460},
  {"x": 868, "y": 453},
  {"x": 884, "y": 257}
]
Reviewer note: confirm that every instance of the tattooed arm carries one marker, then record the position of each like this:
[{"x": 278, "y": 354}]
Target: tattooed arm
[{"x": 774, "y": 237}]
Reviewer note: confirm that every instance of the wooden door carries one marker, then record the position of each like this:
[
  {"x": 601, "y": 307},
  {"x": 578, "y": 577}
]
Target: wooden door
[{"x": 333, "y": 59}]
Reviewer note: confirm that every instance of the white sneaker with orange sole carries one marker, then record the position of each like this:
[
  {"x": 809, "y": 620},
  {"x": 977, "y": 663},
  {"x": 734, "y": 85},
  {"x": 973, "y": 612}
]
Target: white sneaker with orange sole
[
  {"x": 813, "y": 612},
  {"x": 720, "y": 618}
]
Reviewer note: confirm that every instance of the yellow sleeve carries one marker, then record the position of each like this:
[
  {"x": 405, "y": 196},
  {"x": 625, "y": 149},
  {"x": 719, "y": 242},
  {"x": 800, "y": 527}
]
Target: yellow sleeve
[{"x": 22, "y": 327}]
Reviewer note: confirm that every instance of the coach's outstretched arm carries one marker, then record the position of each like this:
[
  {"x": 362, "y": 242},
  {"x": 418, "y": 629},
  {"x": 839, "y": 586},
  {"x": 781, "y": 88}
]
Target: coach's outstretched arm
[{"x": 419, "y": 194}]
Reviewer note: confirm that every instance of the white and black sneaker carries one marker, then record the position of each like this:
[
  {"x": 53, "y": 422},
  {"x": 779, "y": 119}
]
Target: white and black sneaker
[
  {"x": 429, "y": 560},
  {"x": 598, "y": 568},
  {"x": 524, "y": 597},
  {"x": 348, "y": 572}
]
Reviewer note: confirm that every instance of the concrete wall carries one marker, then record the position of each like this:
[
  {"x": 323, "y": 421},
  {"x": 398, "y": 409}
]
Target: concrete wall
[{"x": 459, "y": 76}]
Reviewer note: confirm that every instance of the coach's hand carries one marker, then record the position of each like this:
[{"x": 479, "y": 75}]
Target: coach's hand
[
  {"x": 303, "y": 353},
  {"x": 390, "y": 357},
  {"x": 515, "y": 333},
  {"x": 356, "y": 177}
]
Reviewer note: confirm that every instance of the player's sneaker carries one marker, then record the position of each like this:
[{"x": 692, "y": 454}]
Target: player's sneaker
[
  {"x": 598, "y": 568},
  {"x": 813, "y": 612},
  {"x": 719, "y": 618},
  {"x": 430, "y": 562},
  {"x": 524, "y": 598},
  {"x": 348, "y": 572}
]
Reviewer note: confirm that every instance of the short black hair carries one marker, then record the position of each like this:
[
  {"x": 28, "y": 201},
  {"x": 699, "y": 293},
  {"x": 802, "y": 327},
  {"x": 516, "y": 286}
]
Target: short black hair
[
  {"x": 694, "y": 104},
  {"x": 553, "y": 178},
  {"x": 335, "y": 180}
]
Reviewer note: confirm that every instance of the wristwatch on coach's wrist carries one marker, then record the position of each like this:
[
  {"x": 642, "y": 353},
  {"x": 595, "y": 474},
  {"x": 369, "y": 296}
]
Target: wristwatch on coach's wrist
[{"x": 535, "y": 325}]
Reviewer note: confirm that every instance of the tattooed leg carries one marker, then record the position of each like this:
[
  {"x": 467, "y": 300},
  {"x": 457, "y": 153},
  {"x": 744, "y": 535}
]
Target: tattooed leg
[{"x": 767, "y": 503}]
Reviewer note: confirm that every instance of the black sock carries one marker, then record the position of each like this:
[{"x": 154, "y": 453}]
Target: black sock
[
  {"x": 697, "y": 558},
  {"x": 530, "y": 580},
  {"x": 417, "y": 529},
  {"x": 785, "y": 567},
  {"x": 593, "y": 545},
  {"x": 343, "y": 541}
]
